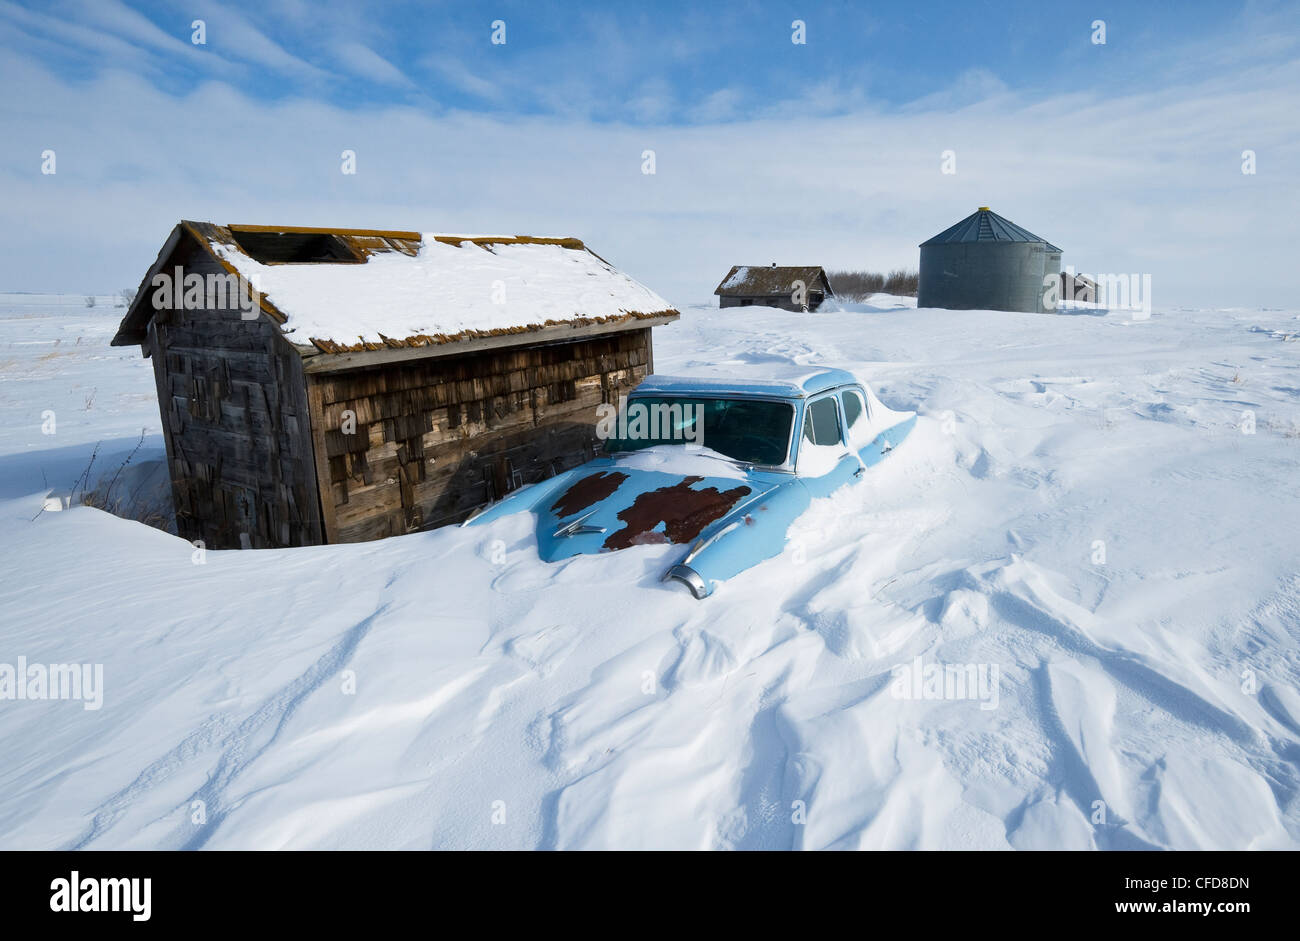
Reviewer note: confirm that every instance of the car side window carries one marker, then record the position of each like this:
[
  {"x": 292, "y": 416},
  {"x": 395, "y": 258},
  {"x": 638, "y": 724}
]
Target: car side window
[
  {"x": 822, "y": 422},
  {"x": 854, "y": 408}
]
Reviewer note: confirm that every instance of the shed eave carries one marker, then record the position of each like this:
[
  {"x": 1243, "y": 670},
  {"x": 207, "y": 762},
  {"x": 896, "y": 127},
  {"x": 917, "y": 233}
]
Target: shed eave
[
  {"x": 133, "y": 329},
  {"x": 316, "y": 360}
]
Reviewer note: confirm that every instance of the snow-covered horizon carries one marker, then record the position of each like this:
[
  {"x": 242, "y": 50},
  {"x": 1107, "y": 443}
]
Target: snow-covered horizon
[{"x": 1095, "y": 520}]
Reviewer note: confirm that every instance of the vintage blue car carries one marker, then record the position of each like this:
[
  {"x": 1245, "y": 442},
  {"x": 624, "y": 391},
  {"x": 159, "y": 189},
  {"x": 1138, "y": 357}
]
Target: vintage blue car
[{"x": 722, "y": 467}]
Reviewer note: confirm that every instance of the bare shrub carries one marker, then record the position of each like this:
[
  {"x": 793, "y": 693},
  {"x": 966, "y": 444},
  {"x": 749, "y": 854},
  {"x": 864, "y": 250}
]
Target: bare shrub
[
  {"x": 154, "y": 515},
  {"x": 859, "y": 285},
  {"x": 903, "y": 283},
  {"x": 83, "y": 480},
  {"x": 152, "y": 512}
]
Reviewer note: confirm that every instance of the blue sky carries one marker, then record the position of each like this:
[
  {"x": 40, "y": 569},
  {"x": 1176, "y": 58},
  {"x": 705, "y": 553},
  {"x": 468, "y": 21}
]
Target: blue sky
[
  {"x": 1127, "y": 154},
  {"x": 624, "y": 61}
]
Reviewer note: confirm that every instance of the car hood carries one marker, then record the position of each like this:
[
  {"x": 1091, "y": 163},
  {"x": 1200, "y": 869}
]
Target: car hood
[{"x": 641, "y": 499}]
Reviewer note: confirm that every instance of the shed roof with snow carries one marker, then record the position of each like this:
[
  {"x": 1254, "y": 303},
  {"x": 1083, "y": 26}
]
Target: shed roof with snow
[
  {"x": 771, "y": 280},
  {"x": 349, "y": 290}
]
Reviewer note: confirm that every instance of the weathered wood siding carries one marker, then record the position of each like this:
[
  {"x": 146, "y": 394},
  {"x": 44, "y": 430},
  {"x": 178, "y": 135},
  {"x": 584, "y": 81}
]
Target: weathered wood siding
[
  {"x": 781, "y": 301},
  {"x": 233, "y": 399},
  {"x": 433, "y": 439}
]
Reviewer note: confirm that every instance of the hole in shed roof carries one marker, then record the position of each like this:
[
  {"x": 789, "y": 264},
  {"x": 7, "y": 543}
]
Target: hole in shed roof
[{"x": 294, "y": 247}]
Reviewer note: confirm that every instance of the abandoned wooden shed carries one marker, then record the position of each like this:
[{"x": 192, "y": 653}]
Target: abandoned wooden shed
[
  {"x": 339, "y": 385},
  {"x": 789, "y": 288}
]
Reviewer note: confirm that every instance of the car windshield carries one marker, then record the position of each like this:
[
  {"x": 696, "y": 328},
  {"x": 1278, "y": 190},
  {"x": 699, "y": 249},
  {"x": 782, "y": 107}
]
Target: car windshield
[{"x": 746, "y": 430}]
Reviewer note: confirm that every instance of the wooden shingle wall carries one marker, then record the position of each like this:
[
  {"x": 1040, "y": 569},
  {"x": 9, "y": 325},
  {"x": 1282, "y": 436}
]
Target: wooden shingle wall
[
  {"x": 234, "y": 408},
  {"x": 435, "y": 438}
]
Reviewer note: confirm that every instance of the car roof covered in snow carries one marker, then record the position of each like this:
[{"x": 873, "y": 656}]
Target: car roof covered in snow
[{"x": 797, "y": 383}]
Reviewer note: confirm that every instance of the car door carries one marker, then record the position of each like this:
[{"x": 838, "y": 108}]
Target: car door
[
  {"x": 825, "y": 461},
  {"x": 857, "y": 418},
  {"x": 859, "y": 425},
  {"x": 870, "y": 436}
]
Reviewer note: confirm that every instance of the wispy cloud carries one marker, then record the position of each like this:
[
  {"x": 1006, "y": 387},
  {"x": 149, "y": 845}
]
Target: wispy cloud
[
  {"x": 721, "y": 105},
  {"x": 231, "y": 34},
  {"x": 123, "y": 21},
  {"x": 56, "y": 38},
  {"x": 364, "y": 62},
  {"x": 452, "y": 70},
  {"x": 1146, "y": 178}
]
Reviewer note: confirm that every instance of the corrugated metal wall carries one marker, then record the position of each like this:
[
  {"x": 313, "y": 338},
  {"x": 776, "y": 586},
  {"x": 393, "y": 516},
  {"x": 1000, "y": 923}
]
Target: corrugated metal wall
[{"x": 988, "y": 275}]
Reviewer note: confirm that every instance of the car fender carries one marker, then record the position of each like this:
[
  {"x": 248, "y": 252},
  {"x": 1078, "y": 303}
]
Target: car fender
[
  {"x": 886, "y": 441},
  {"x": 752, "y": 532}
]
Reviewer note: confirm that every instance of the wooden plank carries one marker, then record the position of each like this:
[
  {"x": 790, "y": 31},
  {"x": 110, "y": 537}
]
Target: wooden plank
[{"x": 316, "y": 414}]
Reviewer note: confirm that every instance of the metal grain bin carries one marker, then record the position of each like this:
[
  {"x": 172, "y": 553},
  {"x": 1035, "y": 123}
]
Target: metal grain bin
[{"x": 986, "y": 262}]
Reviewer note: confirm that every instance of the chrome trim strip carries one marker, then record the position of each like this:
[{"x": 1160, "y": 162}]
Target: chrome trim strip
[
  {"x": 576, "y": 527},
  {"x": 705, "y": 543}
]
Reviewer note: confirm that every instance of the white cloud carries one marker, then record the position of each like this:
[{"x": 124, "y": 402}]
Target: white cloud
[
  {"x": 364, "y": 62},
  {"x": 653, "y": 102},
  {"x": 230, "y": 34},
  {"x": 1145, "y": 182},
  {"x": 137, "y": 28},
  {"x": 52, "y": 37},
  {"x": 459, "y": 76},
  {"x": 970, "y": 87},
  {"x": 721, "y": 105}
]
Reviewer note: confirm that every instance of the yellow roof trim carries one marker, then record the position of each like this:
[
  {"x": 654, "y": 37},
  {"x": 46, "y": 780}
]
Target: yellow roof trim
[{"x": 365, "y": 233}]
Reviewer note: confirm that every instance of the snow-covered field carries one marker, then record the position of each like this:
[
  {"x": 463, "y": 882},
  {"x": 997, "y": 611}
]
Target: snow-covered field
[{"x": 1098, "y": 517}]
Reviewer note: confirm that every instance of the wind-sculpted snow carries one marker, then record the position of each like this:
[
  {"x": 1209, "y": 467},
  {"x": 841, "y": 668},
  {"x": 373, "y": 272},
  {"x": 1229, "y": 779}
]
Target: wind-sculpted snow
[{"x": 1064, "y": 613}]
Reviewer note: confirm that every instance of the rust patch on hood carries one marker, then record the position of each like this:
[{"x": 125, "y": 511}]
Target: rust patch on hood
[
  {"x": 683, "y": 511},
  {"x": 591, "y": 489}
]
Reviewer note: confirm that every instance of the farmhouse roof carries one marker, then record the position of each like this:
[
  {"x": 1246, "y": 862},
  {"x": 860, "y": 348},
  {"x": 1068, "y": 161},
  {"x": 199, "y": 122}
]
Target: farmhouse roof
[
  {"x": 985, "y": 225},
  {"x": 771, "y": 280},
  {"x": 354, "y": 290}
]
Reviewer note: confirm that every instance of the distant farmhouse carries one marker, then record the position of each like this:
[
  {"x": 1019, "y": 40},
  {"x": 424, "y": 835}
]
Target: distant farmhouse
[
  {"x": 376, "y": 382},
  {"x": 986, "y": 262},
  {"x": 1078, "y": 287},
  {"x": 800, "y": 288}
]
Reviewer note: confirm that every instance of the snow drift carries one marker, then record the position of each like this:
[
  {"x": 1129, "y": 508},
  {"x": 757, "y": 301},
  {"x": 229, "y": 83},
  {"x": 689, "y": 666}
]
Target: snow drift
[{"x": 1102, "y": 510}]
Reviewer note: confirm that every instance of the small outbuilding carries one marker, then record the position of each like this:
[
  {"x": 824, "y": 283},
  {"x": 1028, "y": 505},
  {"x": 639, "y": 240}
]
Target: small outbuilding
[
  {"x": 789, "y": 288},
  {"x": 986, "y": 262},
  {"x": 339, "y": 385},
  {"x": 1078, "y": 287}
]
